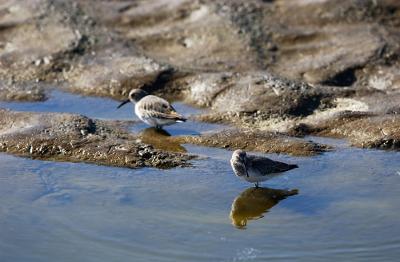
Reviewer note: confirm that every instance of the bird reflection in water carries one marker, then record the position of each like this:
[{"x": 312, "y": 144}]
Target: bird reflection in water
[
  {"x": 160, "y": 139},
  {"x": 252, "y": 203}
]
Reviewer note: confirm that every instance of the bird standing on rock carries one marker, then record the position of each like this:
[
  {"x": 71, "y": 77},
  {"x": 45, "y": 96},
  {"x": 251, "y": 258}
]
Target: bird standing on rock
[
  {"x": 255, "y": 169},
  {"x": 153, "y": 110}
]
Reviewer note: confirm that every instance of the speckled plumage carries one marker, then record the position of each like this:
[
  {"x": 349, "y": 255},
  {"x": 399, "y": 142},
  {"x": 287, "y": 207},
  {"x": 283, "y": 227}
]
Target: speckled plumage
[
  {"x": 153, "y": 110},
  {"x": 255, "y": 169}
]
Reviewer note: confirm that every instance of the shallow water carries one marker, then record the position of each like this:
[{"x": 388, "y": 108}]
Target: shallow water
[
  {"x": 105, "y": 108},
  {"x": 346, "y": 209}
]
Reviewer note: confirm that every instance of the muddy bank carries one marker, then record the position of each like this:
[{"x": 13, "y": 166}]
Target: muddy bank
[
  {"x": 269, "y": 66},
  {"x": 23, "y": 92},
  {"x": 56, "y": 44},
  {"x": 248, "y": 140},
  {"x": 232, "y": 139},
  {"x": 68, "y": 137},
  {"x": 76, "y": 138},
  {"x": 104, "y": 48},
  {"x": 306, "y": 61},
  {"x": 361, "y": 129}
]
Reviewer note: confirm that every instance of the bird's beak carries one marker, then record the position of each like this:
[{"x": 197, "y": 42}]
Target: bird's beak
[{"x": 123, "y": 103}]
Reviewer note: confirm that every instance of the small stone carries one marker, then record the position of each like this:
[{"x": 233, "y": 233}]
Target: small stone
[
  {"x": 84, "y": 132},
  {"x": 46, "y": 60}
]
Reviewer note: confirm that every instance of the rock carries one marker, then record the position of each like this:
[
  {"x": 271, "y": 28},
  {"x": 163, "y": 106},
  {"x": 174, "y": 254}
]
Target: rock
[
  {"x": 113, "y": 71},
  {"x": 316, "y": 41},
  {"x": 269, "y": 66},
  {"x": 328, "y": 55},
  {"x": 67, "y": 137},
  {"x": 26, "y": 92},
  {"x": 185, "y": 34},
  {"x": 15, "y": 12},
  {"x": 364, "y": 130},
  {"x": 250, "y": 140},
  {"x": 29, "y": 36},
  {"x": 256, "y": 92}
]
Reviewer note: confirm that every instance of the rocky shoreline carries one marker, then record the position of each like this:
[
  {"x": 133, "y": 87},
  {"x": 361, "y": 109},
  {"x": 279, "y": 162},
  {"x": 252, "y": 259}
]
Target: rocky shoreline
[{"x": 275, "y": 70}]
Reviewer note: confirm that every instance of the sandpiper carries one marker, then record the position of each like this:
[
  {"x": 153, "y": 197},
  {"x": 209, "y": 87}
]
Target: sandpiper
[
  {"x": 153, "y": 110},
  {"x": 255, "y": 169}
]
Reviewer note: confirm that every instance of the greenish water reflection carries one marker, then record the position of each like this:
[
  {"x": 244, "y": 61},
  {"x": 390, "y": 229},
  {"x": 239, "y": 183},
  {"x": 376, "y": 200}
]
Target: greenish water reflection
[{"x": 253, "y": 202}]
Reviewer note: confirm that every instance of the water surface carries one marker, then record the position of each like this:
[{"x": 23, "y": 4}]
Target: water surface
[
  {"x": 106, "y": 108},
  {"x": 346, "y": 209}
]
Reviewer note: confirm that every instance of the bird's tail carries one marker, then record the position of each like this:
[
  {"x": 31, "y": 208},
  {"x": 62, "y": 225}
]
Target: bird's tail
[
  {"x": 180, "y": 119},
  {"x": 293, "y": 166}
]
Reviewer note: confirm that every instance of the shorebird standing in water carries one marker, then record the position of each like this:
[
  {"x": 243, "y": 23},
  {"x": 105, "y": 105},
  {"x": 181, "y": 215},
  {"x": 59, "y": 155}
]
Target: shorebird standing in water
[
  {"x": 153, "y": 110},
  {"x": 255, "y": 169}
]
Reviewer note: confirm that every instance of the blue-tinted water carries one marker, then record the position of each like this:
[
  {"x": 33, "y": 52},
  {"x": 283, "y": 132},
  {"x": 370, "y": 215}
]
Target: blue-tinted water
[
  {"x": 105, "y": 108},
  {"x": 346, "y": 209}
]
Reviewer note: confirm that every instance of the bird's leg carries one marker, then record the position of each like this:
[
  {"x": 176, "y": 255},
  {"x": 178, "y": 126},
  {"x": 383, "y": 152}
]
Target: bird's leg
[{"x": 256, "y": 184}]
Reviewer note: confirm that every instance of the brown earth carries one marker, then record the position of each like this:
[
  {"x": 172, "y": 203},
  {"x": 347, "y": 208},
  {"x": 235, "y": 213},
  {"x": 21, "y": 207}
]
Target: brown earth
[
  {"x": 265, "y": 142},
  {"x": 293, "y": 67},
  {"x": 67, "y": 137}
]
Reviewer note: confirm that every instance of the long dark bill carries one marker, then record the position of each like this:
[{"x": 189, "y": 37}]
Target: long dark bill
[{"x": 123, "y": 103}]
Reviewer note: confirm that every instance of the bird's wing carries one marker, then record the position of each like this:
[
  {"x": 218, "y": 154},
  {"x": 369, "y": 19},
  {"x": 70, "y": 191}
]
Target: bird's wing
[
  {"x": 267, "y": 166},
  {"x": 157, "y": 107}
]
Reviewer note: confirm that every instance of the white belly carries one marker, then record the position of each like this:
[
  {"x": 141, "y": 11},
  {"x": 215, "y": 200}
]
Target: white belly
[
  {"x": 157, "y": 121},
  {"x": 152, "y": 121}
]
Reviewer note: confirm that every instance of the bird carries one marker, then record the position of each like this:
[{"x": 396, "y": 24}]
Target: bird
[
  {"x": 255, "y": 169},
  {"x": 153, "y": 110}
]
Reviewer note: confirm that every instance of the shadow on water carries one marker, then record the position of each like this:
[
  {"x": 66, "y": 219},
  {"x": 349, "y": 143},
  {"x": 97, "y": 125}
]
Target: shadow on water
[
  {"x": 252, "y": 203},
  {"x": 159, "y": 139},
  {"x": 190, "y": 127}
]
